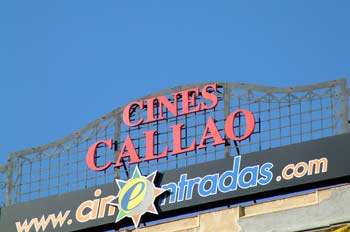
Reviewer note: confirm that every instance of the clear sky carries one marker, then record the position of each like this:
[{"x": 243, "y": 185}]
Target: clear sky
[{"x": 65, "y": 63}]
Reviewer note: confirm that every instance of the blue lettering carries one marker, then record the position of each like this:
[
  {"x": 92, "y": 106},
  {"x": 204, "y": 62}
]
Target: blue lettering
[
  {"x": 208, "y": 185},
  {"x": 191, "y": 183},
  {"x": 213, "y": 181},
  {"x": 172, "y": 187},
  {"x": 266, "y": 174},
  {"x": 233, "y": 174},
  {"x": 253, "y": 179},
  {"x": 182, "y": 187}
]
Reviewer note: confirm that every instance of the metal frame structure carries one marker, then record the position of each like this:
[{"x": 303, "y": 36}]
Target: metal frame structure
[{"x": 283, "y": 116}]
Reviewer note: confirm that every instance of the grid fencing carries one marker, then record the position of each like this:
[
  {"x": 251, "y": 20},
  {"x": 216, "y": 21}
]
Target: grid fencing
[{"x": 283, "y": 116}]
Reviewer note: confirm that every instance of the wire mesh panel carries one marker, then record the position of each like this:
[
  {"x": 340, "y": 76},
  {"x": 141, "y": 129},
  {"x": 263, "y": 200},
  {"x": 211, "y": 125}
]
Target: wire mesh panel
[
  {"x": 3, "y": 176},
  {"x": 59, "y": 167},
  {"x": 282, "y": 116},
  {"x": 291, "y": 115}
]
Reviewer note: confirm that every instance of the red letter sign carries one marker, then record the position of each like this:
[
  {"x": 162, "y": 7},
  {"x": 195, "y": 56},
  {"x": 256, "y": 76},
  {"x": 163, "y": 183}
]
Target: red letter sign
[
  {"x": 250, "y": 125},
  {"x": 91, "y": 155},
  {"x": 126, "y": 114}
]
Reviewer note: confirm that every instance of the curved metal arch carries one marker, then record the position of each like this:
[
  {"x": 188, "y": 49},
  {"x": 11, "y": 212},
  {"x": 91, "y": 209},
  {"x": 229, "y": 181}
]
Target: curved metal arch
[
  {"x": 273, "y": 89},
  {"x": 96, "y": 122},
  {"x": 262, "y": 88}
]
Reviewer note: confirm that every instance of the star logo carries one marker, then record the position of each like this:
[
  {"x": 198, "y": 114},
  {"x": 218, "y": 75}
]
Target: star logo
[{"x": 136, "y": 196}]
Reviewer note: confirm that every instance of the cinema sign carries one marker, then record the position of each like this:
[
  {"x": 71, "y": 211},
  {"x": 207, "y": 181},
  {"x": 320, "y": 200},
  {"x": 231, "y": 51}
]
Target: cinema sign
[
  {"x": 145, "y": 197},
  {"x": 160, "y": 195},
  {"x": 189, "y": 105}
]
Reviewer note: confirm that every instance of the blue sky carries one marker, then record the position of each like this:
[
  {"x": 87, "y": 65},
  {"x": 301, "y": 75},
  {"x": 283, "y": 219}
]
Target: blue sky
[{"x": 65, "y": 63}]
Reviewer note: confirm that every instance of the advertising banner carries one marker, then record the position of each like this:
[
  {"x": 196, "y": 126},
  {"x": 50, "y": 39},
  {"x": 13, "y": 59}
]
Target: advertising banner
[{"x": 160, "y": 195}]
